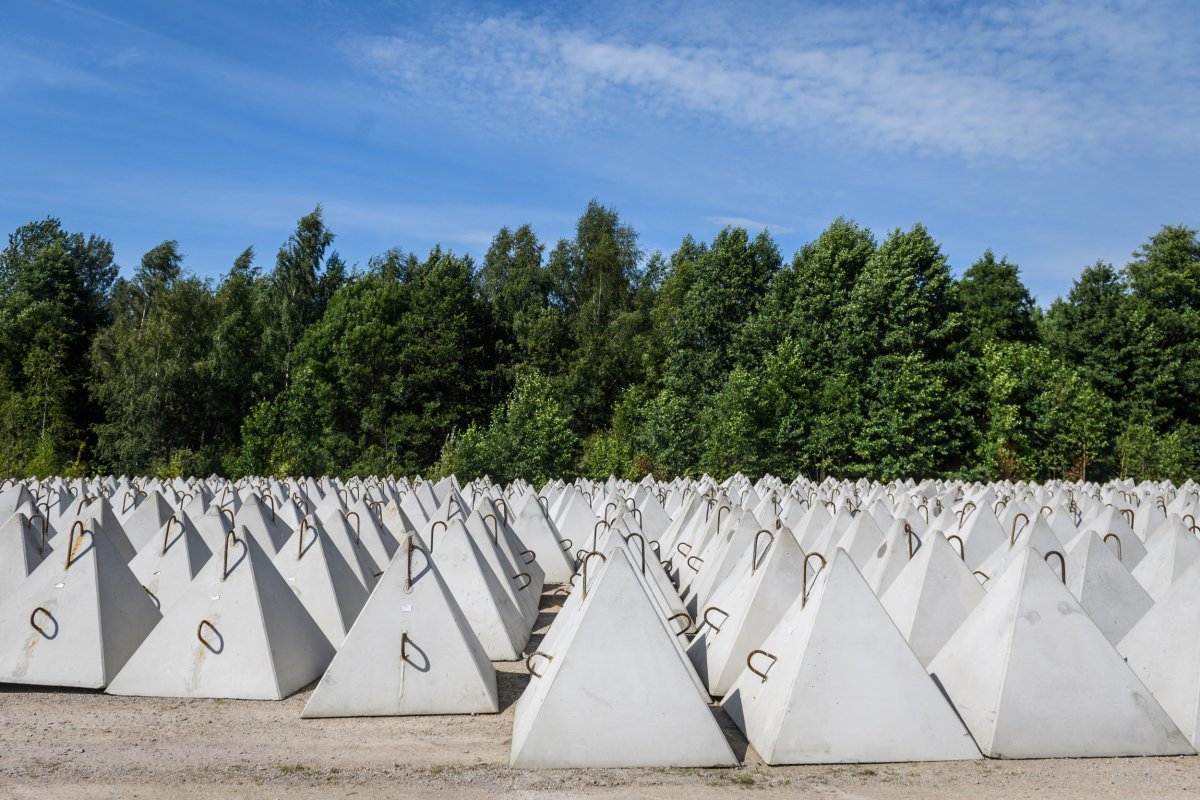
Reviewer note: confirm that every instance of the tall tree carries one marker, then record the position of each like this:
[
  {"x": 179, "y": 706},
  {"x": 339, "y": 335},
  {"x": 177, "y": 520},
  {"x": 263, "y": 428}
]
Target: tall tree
[
  {"x": 152, "y": 370},
  {"x": 1164, "y": 283},
  {"x": 997, "y": 307}
]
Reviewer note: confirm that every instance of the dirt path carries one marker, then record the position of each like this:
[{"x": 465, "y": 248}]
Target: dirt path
[{"x": 66, "y": 745}]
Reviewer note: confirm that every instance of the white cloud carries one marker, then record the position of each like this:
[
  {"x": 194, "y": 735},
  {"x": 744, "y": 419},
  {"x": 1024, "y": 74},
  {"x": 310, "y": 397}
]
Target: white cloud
[
  {"x": 751, "y": 225},
  {"x": 1025, "y": 81}
]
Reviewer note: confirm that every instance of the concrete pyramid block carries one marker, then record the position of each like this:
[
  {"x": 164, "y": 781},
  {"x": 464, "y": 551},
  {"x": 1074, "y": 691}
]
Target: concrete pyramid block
[
  {"x": 844, "y": 685},
  {"x": 346, "y": 539},
  {"x": 145, "y": 521},
  {"x": 616, "y": 690},
  {"x": 518, "y": 582},
  {"x": 901, "y": 543},
  {"x": 931, "y": 596},
  {"x": 1033, "y": 677},
  {"x": 483, "y": 596},
  {"x": 22, "y": 549},
  {"x": 538, "y": 533},
  {"x": 1168, "y": 556},
  {"x": 743, "y": 614},
  {"x": 167, "y": 563},
  {"x": 238, "y": 632},
  {"x": 1163, "y": 650},
  {"x": 717, "y": 560},
  {"x": 76, "y": 619},
  {"x": 316, "y": 571},
  {"x": 263, "y": 523},
  {"x": 1103, "y": 586},
  {"x": 98, "y": 514},
  {"x": 411, "y": 651}
]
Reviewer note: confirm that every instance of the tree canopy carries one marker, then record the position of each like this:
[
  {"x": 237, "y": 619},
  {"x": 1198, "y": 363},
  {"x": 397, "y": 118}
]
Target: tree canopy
[{"x": 860, "y": 355}]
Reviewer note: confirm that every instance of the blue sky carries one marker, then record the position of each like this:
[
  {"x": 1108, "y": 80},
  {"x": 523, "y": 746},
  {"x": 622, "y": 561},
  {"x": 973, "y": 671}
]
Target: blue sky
[{"x": 1055, "y": 133}]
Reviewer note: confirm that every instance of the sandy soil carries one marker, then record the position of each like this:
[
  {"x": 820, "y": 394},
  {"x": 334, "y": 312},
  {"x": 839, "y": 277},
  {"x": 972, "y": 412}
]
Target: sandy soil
[{"x": 71, "y": 744}]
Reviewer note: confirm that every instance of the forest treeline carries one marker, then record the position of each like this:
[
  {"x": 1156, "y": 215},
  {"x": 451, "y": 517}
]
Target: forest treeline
[{"x": 858, "y": 356}]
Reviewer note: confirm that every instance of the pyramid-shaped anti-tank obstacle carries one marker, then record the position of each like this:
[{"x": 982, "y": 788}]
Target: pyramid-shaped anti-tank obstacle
[
  {"x": 316, "y": 571},
  {"x": 167, "y": 563},
  {"x": 145, "y": 521},
  {"x": 620, "y": 684},
  {"x": 1033, "y": 677},
  {"x": 23, "y": 546},
  {"x": 411, "y": 651},
  {"x": 539, "y": 535},
  {"x": 1103, "y": 586},
  {"x": 741, "y": 615},
  {"x": 1163, "y": 649},
  {"x": 239, "y": 632},
  {"x": 76, "y": 619},
  {"x": 481, "y": 593},
  {"x": 931, "y": 596},
  {"x": 1167, "y": 557},
  {"x": 836, "y": 682}
]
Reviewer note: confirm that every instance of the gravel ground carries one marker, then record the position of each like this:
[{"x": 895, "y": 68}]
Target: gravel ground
[{"x": 77, "y": 744}]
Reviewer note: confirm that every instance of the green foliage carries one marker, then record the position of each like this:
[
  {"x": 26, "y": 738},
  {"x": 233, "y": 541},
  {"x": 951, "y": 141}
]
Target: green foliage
[
  {"x": 857, "y": 357},
  {"x": 996, "y": 305},
  {"x": 529, "y": 436},
  {"x": 151, "y": 367}
]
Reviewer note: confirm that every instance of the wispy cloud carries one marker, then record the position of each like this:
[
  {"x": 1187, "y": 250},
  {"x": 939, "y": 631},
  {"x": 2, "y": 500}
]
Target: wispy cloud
[
  {"x": 1027, "y": 81},
  {"x": 752, "y": 225}
]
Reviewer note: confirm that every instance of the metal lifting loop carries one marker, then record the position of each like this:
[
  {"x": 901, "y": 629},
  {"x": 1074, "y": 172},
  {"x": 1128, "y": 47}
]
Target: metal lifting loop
[
  {"x": 230, "y": 536},
  {"x": 687, "y": 621},
  {"x": 754, "y": 557},
  {"x": 495, "y": 526},
  {"x": 709, "y": 622},
  {"x": 357, "y": 525},
  {"x": 1012, "y": 534},
  {"x": 433, "y": 528},
  {"x": 532, "y": 556},
  {"x": 408, "y": 572},
  {"x": 692, "y": 566},
  {"x": 909, "y": 536},
  {"x": 529, "y": 662},
  {"x": 167, "y": 531},
  {"x": 1127, "y": 513},
  {"x": 979, "y": 572},
  {"x": 1062, "y": 563},
  {"x": 404, "y": 646},
  {"x": 73, "y": 541},
  {"x": 33, "y": 620},
  {"x": 1111, "y": 535},
  {"x": 641, "y": 548},
  {"x": 750, "y": 665},
  {"x": 680, "y": 547},
  {"x": 200, "y": 633},
  {"x": 804, "y": 575},
  {"x": 584, "y": 568},
  {"x": 269, "y": 500},
  {"x": 719, "y": 510},
  {"x": 42, "y": 542},
  {"x": 528, "y": 580},
  {"x": 300, "y": 538},
  {"x": 962, "y": 546},
  {"x": 596, "y": 533}
]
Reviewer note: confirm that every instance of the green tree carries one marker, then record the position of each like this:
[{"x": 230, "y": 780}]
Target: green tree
[
  {"x": 996, "y": 305},
  {"x": 151, "y": 368}
]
